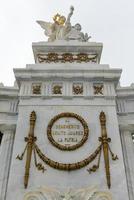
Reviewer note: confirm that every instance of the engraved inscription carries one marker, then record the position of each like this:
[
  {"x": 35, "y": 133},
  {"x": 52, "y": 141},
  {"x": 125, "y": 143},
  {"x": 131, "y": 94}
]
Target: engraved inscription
[{"x": 67, "y": 131}]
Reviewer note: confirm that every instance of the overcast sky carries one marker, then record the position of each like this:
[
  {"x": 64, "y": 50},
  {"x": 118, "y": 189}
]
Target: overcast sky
[{"x": 108, "y": 21}]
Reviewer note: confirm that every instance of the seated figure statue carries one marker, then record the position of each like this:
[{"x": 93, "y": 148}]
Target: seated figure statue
[{"x": 76, "y": 34}]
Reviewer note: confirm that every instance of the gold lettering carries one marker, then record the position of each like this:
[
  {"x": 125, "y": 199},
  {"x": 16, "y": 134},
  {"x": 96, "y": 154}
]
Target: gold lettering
[
  {"x": 70, "y": 139},
  {"x": 69, "y": 126}
]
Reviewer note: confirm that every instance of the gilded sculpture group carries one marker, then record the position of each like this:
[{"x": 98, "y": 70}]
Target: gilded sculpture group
[{"x": 61, "y": 29}]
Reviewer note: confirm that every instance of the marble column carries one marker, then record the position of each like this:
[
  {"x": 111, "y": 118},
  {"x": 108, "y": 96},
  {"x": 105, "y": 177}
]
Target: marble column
[
  {"x": 5, "y": 157},
  {"x": 128, "y": 152}
]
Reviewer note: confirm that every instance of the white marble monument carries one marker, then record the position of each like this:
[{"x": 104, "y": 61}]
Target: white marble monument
[{"x": 66, "y": 126}]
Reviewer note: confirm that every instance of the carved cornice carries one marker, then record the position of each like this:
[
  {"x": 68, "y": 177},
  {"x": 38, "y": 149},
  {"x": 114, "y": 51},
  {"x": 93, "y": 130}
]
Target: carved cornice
[
  {"x": 9, "y": 92},
  {"x": 7, "y": 127},
  {"x": 126, "y": 127},
  {"x": 75, "y": 70}
]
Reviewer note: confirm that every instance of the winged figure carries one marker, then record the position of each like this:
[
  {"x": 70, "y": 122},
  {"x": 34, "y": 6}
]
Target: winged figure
[
  {"x": 46, "y": 26},
  {"x": 61, "y": 29},
  {"x": 58, "y": 29},
  {"x": 49, "y": 29}
]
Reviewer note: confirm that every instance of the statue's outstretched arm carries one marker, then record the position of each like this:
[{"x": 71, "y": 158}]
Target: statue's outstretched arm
[{"x": 70, "y": 14}]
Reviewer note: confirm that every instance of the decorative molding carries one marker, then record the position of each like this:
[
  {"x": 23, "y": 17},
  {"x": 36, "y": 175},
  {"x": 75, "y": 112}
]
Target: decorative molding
[
  {"x": 67, "y": 166},
  {"x": 77, "y": 88},
  {"x": 32, "y": 146},
  {"x": 98, "y": 89},
  {"x": 67, "y": 57},
  {"x": 57, "y": 89},
  {"x": 29, "y": 148},
  {"x": 36, "y": 88},
  {"x": 67, "y": 88},
  {"x": 90, "y": 193},
  {"x": 106, "y": 150},
  {"x": 104, "y": 139},
  {"x": 5, "y": 127}
]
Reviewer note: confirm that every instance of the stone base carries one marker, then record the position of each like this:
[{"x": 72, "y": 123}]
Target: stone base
[{"x": 44, "y": 193}]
